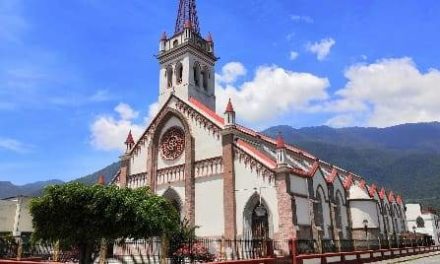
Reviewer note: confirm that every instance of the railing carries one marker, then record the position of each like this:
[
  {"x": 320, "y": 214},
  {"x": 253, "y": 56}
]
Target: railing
[
  {"x": 196, "y": 250},
  {"x": 10, "y": 249}
]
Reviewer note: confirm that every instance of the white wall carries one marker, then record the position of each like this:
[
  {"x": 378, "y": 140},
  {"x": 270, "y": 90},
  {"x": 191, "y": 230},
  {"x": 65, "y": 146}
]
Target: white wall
[
  {"x": 432, "y": 225},
  {"x": 245, "y": 182},
  {"x": 303, "y": 208},
  {"x": 298, "y": 185},
  {"x": 209, "y": 211},
  {"x": 363, "y": 209},
  {"x": 138, "y": 160}
]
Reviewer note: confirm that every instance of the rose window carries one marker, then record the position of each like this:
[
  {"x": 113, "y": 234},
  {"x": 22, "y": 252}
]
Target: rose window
[{"x": 172, "y": 143}]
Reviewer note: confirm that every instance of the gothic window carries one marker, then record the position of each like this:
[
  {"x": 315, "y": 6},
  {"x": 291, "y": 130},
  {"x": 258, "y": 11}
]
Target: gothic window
[
  {"x": 205, "y": 78},
  {"x": 420, "y": 222},
  {"x": 175, "y": 43},
  {"x": 179, "y": 73},
  {"x": 338, "y": 209},
  {"x": 318, "y": 211},
  {"x": 169, "y": 75},
  {"x": 196, "y": 73}
]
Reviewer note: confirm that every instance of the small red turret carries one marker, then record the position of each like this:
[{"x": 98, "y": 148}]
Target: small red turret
[
  {"x": 280, "y": 142},
  {"x": 129, "y": 142}
]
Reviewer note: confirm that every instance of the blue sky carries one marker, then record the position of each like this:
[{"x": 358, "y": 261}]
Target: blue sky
[{"x": 75, "y": 75}]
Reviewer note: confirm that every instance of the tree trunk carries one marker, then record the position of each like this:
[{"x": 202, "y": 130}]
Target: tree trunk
[{"x": 85, "y": 253}]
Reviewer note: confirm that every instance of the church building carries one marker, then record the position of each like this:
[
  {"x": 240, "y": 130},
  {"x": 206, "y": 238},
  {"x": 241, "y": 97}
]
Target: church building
[{"x": 234, "y": 182}]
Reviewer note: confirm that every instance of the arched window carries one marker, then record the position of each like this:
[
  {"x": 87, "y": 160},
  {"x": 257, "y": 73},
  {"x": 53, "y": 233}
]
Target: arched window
[
  {"x": 205, "y": 76},
  {"x": 338, "y": 209},
  {"x": 179, "y": 73},
  {"x": 420, "y": 222},
  {"x": 175, "y": 43},
  {"x": 196, "y": 73},
  {"x": 318, "y": 211},
  {"x": 169, "y": 75}
]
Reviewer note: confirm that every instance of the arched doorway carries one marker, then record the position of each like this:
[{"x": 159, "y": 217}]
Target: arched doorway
[
  {"x": 257, "y": 228},
  {"x": 173, "y": 197},
  {"x": 260, "y": 222}
]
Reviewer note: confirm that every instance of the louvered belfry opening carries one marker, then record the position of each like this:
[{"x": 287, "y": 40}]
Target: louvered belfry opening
[{"x": 187, "y": 17}]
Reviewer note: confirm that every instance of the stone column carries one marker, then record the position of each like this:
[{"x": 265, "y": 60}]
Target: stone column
[
  {"x": 123, "y": 175},
  {"x": 229, "y": 185},
  {"x": 335, "y": 232},
  {"x": 286, "y": 210},
  {"x": 189, "y": 180}
]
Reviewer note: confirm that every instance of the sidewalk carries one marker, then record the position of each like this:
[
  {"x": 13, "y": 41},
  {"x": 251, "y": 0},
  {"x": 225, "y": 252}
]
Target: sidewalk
[{"x": 408, "y": 258}]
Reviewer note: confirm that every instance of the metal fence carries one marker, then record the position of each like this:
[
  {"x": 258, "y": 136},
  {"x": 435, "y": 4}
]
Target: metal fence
[{"x": 190, "y": 251}]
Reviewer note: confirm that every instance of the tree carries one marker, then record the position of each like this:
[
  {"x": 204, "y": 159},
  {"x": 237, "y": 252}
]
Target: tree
[{"x": 79, "y": 215}]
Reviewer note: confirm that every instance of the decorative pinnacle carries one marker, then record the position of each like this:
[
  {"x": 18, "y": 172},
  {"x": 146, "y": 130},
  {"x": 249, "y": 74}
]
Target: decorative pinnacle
[
  {"x": 229, "y": 107},
  {"x": 187, "y": 17},
  {"x": 129, "y": 140},
  {"x": 280, "y": 142}
]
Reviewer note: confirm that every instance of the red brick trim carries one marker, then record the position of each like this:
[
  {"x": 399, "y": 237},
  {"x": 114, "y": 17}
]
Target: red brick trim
[
  {"x": 161, "y": 120},
  {"x": 229, "y": 202}
]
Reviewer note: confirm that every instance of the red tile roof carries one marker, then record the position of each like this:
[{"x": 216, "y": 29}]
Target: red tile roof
[
  {"x": 257, "y": 153},
  {"x": 362, "y": 184},
  {"x": 382, "y": 193},
  {"x": 348, "y": 181},
  {"x": 391, "y": 197},
  {"x": 372, "y": 190},
  {"x": 332, "y": 176},
  {"x": 399, "y": 200},
  {"x": 273, "y": 141},
  {"x": 203, "y": 108}
]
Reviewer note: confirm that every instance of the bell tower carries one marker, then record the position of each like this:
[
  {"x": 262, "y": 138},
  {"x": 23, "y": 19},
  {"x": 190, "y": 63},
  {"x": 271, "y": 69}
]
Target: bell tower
[{"x": 187, "y": 60}]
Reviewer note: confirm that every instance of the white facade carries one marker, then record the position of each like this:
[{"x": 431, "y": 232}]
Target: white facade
[
  {"x": 15, "y": 217},
  {"x": 424, "y": 222}
]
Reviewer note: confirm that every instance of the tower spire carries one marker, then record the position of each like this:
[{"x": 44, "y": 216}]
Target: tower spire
[{"x": 187, "y": 17}]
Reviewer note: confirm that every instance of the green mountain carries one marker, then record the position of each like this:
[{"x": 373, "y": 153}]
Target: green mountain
[
  {"x": 7, "y": 189},
  {"x": 405, "y": 158}
]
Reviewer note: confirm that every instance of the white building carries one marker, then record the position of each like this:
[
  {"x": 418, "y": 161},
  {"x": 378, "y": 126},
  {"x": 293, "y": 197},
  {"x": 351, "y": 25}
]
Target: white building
[
  {"x": 424, "y": 221},
  {"x": 232, "y": 181},
  {"x": 15, "y": 217}
]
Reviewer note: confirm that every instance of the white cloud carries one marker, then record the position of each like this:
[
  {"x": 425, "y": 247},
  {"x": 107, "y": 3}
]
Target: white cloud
[
  {"x": 126, "y": 112},
  {"x": 293, "y": 55},
  {"x": 230, "y": 72},
  {"x": 299, "y": 18},
  {"x": 14, "y": 145},
  {"x": 109, "y": 133},
  {"x": 387, "y": 92},
  {"x": 272, "y": 92},
  {"x": 100, "y": 96},
  {"x": 153, "y": 109},
  {"x": 322, "y": 48}
]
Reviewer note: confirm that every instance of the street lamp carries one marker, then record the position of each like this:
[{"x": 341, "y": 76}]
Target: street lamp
[
  {"x": 414, "y": 230},
  {"x": 365, "y": 222}
]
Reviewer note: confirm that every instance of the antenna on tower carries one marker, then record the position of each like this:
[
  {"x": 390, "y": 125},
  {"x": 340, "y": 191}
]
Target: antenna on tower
[{"x": 187, "y": 17}]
